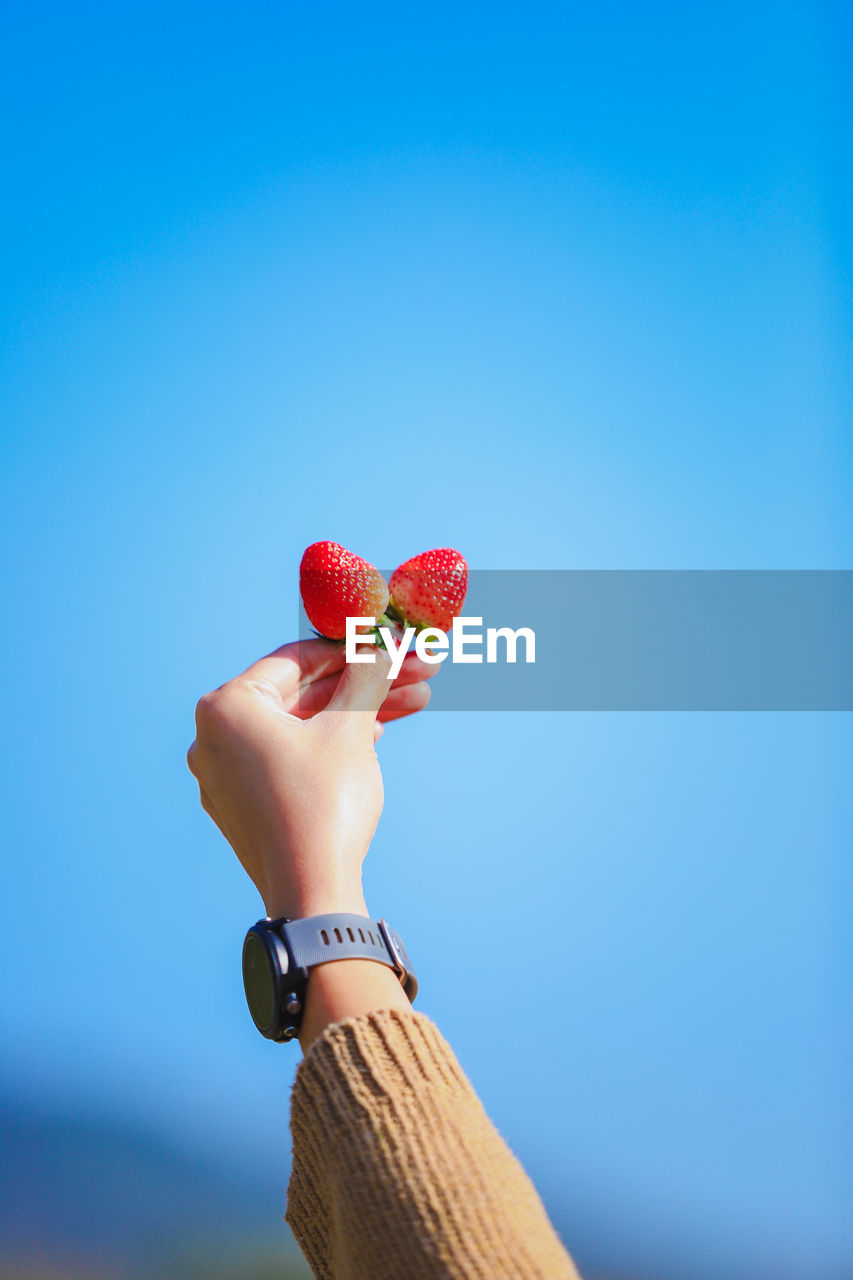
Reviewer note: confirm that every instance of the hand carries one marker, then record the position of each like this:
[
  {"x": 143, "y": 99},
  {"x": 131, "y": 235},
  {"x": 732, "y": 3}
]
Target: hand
[{"x": 285, "y": 761}]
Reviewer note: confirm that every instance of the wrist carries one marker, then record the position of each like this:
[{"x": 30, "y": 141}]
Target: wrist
[{"x": 316, "y": 901}]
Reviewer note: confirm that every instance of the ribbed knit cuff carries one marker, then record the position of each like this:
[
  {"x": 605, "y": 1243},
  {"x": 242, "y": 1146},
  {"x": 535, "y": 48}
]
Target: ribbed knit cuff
[{"x": 369, "y": 1058}]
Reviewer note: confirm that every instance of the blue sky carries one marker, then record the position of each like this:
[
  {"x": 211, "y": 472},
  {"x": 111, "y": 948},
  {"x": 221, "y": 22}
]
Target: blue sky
[{"x": 564, "y": 288}]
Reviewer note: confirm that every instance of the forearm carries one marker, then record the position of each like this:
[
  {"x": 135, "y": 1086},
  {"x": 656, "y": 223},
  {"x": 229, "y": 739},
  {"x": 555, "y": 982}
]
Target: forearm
[{"x": 398, "y": 1169}]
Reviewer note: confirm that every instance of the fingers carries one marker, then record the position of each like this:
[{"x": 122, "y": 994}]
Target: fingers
[
  {"x": 312, "y": 697},
  {"x": 363, "y": 686},
  {"x": 404, "y": 702},
  {"x": 293, "y": 666},
  {"x": 399, "y": 703},
  {"x": 307, "y": 676},
  {"x": 414, "y": 670}
]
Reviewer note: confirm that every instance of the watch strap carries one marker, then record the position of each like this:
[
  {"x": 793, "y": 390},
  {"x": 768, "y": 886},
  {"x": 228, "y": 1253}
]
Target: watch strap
[{"x": 340, "y": 936}]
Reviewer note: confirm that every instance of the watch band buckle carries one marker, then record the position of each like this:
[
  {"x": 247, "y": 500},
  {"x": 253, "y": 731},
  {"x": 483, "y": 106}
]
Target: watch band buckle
[{"x": 400, "y": 959}]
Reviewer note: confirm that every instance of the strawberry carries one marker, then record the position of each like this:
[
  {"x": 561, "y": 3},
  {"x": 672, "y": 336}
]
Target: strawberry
[
  {"x": 336, "y": 585},
  {"x": 428, "y": 590}
]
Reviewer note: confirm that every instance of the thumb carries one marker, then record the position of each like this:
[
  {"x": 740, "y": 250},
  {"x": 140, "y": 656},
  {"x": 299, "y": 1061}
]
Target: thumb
[{"x": 363, "y": 686}]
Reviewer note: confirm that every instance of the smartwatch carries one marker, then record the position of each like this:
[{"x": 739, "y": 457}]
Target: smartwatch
[{"x": 278, "y": 955}]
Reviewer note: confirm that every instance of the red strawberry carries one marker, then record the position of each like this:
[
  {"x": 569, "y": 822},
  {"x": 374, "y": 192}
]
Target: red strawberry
[
  {"x": 336, "y": 585},
  {"x": 428, "y": 590}
]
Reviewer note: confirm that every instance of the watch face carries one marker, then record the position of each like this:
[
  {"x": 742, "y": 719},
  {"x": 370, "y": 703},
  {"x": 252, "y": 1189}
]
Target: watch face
[{"x": 259, "y": 982}]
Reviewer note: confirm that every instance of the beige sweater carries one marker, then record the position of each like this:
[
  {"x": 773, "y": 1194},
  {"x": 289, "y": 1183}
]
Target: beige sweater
[{"x": 398, "y": 1173}]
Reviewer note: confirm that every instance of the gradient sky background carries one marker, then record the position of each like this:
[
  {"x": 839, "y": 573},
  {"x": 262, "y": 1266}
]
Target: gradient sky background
[{"x": 565, "y": 287}]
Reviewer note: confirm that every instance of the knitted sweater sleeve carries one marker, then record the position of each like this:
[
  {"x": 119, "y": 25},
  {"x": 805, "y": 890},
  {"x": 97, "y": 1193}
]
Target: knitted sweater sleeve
[{"x": 397, "y": 1169}]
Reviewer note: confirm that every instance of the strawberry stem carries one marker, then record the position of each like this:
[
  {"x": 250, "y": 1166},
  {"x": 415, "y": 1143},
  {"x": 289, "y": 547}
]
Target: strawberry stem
[{"x": 393, "y": 617}]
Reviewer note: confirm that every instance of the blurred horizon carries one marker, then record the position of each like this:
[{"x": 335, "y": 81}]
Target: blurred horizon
[{"x": 565, "y": 288}]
